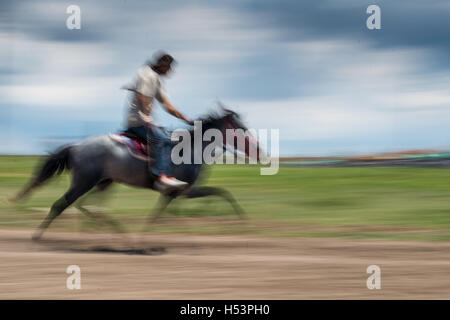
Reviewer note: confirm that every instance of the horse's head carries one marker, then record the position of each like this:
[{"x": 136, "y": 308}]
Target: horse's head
[{"x": 236, "y": 136}]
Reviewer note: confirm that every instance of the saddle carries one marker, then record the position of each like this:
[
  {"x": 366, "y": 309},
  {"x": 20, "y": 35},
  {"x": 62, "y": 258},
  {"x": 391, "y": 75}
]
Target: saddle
[{"x": 136, "y": 146}]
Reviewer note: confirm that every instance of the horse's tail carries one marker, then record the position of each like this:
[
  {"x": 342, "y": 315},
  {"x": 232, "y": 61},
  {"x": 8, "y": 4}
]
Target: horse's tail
[{"x": 53, "y": 164}]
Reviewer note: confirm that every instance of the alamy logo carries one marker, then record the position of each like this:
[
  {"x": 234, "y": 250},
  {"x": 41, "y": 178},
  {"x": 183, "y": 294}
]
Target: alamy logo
[
  {"x": 74, "y": 20},
  {"x": 374, "y": 281},
  {"x": 374, "y": 20},
  {"x": 74, "y": 280}
]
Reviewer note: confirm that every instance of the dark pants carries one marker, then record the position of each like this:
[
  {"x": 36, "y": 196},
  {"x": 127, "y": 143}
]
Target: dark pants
[{"x": 160, "y": 147}]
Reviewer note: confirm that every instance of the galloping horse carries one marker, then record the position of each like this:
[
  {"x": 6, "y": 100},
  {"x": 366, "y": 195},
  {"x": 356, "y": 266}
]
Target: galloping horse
[{"x": 99, "y": 161}]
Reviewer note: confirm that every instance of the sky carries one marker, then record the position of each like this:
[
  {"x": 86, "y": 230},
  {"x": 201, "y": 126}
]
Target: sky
[{"x": 311, "y": 69}]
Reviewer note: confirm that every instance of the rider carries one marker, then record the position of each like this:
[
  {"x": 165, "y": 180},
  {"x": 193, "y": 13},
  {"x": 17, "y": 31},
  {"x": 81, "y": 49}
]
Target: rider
[{"x": 146, "y": 86}]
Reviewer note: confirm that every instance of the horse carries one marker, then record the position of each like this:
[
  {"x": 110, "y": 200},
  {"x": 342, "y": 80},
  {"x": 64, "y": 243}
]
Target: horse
[{"x": 98, "y": 162}]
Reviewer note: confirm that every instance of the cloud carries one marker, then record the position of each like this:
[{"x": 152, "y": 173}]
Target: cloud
[
  {"x": 407, "y": 23},
  {"x": 314, "y": 118},
  {"x": 78, "y": 94},
  {"x": 311, "y": 69},
  {"x": 423, "y": 100}
]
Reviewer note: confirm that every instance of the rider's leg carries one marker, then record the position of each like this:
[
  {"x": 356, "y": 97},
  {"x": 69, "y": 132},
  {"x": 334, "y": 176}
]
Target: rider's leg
[
  {"x": 161, "y": 147},
  {"x": 162, "y": 167}
]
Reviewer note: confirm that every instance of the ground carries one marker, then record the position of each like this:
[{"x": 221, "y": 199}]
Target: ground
[
  {"x": 219, "y": 267},
  {"x": 311, "y": 233}
]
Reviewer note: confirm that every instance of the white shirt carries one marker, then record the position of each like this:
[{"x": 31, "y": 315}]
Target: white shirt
[{"x": 148, "y": 83}]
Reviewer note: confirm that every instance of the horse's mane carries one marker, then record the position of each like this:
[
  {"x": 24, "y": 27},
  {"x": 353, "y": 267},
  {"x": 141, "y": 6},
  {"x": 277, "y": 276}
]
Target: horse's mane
[
  {"x": 211, "y": 116},
  {"x": 214, "y": 115}
]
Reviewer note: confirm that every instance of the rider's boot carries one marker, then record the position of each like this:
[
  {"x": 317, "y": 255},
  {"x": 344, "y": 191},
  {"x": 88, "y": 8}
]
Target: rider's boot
[{"x": 167, "y": 184}]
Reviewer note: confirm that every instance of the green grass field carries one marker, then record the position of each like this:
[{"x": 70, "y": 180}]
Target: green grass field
[{"x": 387, "y": 203}]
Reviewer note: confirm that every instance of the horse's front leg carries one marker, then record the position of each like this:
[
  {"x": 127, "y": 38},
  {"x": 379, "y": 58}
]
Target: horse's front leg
[
  {"x": 163, "y": 202},
  {"x": 204, "y": 191}
]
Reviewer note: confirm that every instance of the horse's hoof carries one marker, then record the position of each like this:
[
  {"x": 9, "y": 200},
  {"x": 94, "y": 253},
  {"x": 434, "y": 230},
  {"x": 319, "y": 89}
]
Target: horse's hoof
[
  {"x": 36, "y": 236},
  {"x": 242, "y": 216}
]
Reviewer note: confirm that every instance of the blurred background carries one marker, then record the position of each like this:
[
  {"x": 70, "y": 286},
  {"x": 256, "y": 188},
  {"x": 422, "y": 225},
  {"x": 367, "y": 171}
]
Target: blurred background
[
  {"x": 311, "y": 69},
  {"x": 335, "y": 89},
  {"x": 363, "y": 118}
]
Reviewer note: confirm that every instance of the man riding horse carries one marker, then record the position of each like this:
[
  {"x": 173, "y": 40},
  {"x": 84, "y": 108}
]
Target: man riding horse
[
  {"x": 146, "y": 87},
  {"x": 97, "y": 162}
]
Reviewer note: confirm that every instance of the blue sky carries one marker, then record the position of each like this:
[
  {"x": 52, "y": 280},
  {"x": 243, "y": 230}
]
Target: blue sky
[{"x": 308, "y": 68}]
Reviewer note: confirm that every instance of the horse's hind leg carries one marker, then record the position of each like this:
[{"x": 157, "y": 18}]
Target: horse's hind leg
[
  {"x": 99, "y": 189},
  {"x": 199, "y": 192},
  {"x": 79, "y": 187}
]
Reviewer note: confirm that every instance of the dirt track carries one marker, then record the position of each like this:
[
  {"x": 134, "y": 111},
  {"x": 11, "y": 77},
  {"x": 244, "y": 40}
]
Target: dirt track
[{"x": 212, "y": 267}]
